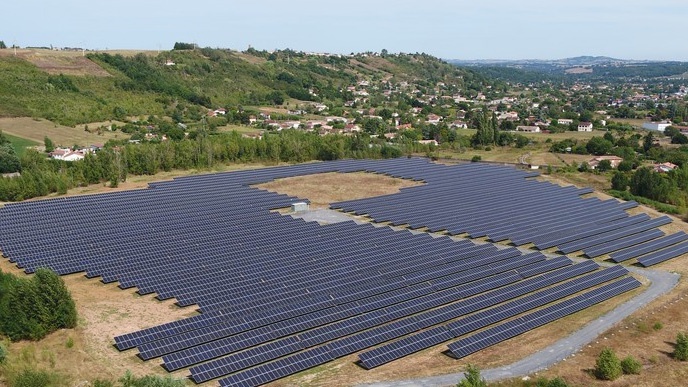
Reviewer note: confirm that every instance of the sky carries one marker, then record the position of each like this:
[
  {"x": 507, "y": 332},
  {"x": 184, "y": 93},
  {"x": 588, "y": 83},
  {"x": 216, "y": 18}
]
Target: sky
[{"x": 449, "y": 29}]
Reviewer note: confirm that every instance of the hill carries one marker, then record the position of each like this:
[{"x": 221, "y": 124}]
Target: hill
[
  {"x": 591, "y": 68},
  {"x": 70, "y": 88}
]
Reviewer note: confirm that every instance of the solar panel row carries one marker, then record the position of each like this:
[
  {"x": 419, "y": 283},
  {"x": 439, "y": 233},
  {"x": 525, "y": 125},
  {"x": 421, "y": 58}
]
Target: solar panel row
[{"x": 278, "y": 294}]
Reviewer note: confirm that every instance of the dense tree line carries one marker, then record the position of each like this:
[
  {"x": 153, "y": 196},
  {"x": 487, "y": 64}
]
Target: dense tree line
[
  {"x": 31, "y": 308},
  {"x": 41, "y": 176}
]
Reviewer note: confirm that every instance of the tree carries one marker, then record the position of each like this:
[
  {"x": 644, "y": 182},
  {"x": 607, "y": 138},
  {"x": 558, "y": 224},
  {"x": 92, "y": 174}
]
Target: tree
[
  {"x": 681, "y": 349},
  {"x": 2, "y": 44},
  {"x": 648, "y": 142},
  {"x": 9, "y": 162},
  {"x": 619, "y": 181},
  {"x": 49, "y": 146},
  {"x": 472, "y": 378},
  {"x": 604, "y": 166},
  {"x": 32, "y": 308},
  {"x": 184, "y": 46},
  {"x": 608, "y": 365},
  {"x": 630, "y": 366},
  {"x": 598, "y": 146},
  {"x": 487, "y": 129},
  {"x": 625, "y": 166}
]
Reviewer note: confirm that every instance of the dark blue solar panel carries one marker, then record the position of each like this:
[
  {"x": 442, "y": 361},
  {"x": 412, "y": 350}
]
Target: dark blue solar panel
[{"x": 278, "y": 294}]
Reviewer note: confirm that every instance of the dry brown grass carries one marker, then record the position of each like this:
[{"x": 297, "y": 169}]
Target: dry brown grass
[
  {"x": 325, "y": 188},
  {"x": 59, "y": 62},
  {"x": 104, "y": 311},
  {"x": 36, "y": 130}
]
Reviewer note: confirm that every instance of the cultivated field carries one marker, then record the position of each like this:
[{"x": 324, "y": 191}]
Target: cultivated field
[
  {"x": 36, "y": 129},
  {"x": 66, "y": 62}
]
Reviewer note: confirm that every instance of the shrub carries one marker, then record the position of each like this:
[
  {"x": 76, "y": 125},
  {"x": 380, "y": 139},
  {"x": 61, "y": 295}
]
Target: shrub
[
  {"x": 657, "y": 326},
  {"x": 102, "y": 383},
  {"x": 608, "y": 365},
  {"x": 630, "y": 366},
  {"x": 70, "y": 343},
  {"x": 681, "y": 350},
  {"x": 3, "y": 353},
  {"x": 556, "y": 382},
  {"x": 472, "y": 378},
  {"x": 34, "y": 378},
  {"x": 129, "y": 380},
  {"x": 476, "y": 158}
]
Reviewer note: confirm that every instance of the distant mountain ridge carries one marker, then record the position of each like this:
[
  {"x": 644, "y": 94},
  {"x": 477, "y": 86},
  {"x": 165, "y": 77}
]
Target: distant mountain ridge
[
  {"x": 585, "y": 60},
  {"x": 600, "y": 68}
]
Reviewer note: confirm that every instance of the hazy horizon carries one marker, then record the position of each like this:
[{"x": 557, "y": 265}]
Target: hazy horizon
[{"x": 466, "y": 30}]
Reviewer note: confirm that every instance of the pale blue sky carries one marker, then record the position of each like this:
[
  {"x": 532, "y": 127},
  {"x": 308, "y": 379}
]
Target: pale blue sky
[{"x": 477, "y": 29}]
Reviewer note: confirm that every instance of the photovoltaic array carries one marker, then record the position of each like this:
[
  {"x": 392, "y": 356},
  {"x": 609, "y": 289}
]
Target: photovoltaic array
[{"x": 278, "y": 295}]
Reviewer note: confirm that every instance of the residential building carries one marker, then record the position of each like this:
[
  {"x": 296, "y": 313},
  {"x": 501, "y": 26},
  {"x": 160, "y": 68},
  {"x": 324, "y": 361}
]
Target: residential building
[{"x": 585, "y": 127}]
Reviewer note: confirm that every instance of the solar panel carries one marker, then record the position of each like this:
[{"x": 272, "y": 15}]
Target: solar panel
[{"x": 279, "y": 294}]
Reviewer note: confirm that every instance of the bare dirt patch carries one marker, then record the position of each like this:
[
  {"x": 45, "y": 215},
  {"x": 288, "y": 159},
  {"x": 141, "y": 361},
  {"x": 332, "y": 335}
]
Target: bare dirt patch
[{"x": 325, "y": 188}]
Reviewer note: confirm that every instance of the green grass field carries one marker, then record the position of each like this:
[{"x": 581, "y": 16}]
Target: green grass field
[{"x": 20, "y": 144}]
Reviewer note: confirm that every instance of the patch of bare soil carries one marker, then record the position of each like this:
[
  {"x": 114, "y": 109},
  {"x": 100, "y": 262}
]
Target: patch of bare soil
[{"x": 325, "y": 188}]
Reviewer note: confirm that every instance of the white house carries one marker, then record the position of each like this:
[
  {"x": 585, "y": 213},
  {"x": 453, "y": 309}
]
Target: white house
[
  {"x": 68, "y": 154},
  {"x": 659, "y": 126},
  {"x": 585, "y": 127},
  {"x": 528, "y": 129},
  {"x": 429, "y": 142},
  {"x": 564, "y": 121}
]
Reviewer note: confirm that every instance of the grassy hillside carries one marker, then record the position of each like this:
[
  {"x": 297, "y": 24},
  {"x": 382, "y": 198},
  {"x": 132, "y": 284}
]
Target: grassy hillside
[{"x": 148, "y": 84}]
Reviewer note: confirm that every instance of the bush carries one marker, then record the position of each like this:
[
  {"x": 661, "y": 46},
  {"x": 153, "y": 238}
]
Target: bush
[
  {"x": 129, "y": 380},
  {"x": 472, "y": 378},
  {"x": 681, "y": 349},
  {"x": 476, "y": 158},
  {"x": 608, "y": 365},
  {"x": 3, "y": 353},
  {"x": 657, "y": 326},
  {"x": 630, "y": 366},
  {"x": 34, "y": 378},
  {"x": 556, "y": 382}
]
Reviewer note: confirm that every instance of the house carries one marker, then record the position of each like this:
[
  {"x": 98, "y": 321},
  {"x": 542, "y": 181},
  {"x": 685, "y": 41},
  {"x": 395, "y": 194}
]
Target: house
[
  {"x": 585, "y": 127},
  {"x": 459, "y": 125},
  {"x": 564, "y": 121},
  {"x": 433, "y": 119},
  {"x": 528, "y": 129},
  {"x": 664, "y": 167},
  {"x": 428, "y": 142},
  {"x": 320, "y": 107},
  {"x": 68, "y": 154},
  {"x": 659, "y": 126},
  {"x": 509, "y": 116},
  {"x": 350, "y": 128},
  {"x": 613, "y": 160}
]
